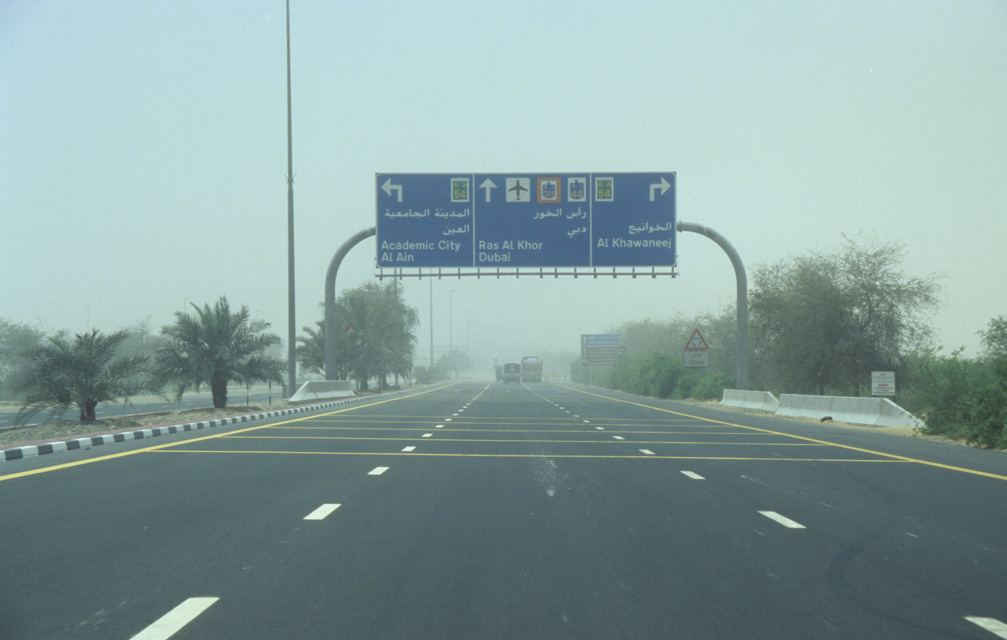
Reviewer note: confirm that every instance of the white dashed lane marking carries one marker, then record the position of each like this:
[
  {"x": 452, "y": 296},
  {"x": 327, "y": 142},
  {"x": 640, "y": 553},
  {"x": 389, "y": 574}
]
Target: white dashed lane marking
[
  {"x": 172, "y": 622},
  {"x": 992, "y": 625},
  {"x": 694, "y": 476},
  {"x": 377, "y": 471},
  {"x": 787, "y": 522},
  {"x": 618, "y": 437},
  {"x": 647, "y": 452},
  {"x": 426, "y": 435},
  {"x": 321, "y": 512},
  {"x": 409, "y": 449}
]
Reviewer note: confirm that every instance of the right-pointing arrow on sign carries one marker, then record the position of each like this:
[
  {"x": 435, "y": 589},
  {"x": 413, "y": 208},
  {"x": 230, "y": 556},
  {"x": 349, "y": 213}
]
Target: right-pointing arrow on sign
[{"x": 663, "y": 185}]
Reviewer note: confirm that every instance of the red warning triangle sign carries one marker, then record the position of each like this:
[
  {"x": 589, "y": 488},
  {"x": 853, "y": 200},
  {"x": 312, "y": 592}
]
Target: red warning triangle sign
[
  {"x": 350, "y": 328},
  {"x": 696, "y": 342}
]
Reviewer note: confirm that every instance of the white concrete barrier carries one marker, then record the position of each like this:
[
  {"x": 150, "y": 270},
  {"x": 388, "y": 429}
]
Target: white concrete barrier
[
  {"x": 759, "y": 400},
  {"x": 877, "y": 412},
  {"x": 892, "y": 415},
  {"x": 315, "y": 390}
]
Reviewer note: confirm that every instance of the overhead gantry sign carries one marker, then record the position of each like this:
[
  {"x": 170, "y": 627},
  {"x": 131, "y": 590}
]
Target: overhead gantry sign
[{"x": 522, "y": 220}]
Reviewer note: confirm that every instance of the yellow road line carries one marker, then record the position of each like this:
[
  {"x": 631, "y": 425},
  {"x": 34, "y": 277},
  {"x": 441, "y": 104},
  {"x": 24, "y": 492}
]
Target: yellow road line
[
  {"x": 893, "y": 456},
  {"x": 113, "y": 456},
  {"x": 706, "y": 432},
  {"x": 614, "y": 442},
  {"x": 528, "y": 455}
]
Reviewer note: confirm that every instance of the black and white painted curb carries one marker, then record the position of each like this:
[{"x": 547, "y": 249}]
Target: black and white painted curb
[{"x": 31, "y": 451}]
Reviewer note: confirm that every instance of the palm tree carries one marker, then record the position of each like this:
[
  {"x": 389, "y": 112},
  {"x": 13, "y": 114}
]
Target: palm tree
[
  {"x": 381, "y": 341},
  {"x": 215, "y": 347},
  {"x": 81, "y": 372}
]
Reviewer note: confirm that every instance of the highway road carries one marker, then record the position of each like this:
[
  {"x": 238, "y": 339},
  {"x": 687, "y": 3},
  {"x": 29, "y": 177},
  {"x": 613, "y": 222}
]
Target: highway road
[{"x": 488, "y": 510}]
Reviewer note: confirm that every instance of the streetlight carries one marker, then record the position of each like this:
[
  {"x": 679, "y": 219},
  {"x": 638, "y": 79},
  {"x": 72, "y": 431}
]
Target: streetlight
[{"x": 291, "y": 318}]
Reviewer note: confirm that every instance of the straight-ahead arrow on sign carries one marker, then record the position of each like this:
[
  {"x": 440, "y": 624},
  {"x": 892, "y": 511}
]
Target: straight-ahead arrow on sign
[{"x": 487, "y": 185}]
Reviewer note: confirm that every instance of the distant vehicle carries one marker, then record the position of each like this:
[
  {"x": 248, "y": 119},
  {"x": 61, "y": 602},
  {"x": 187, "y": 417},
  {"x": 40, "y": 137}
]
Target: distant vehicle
[
  {"x": 512, "y": 372},
  {"x": 531, "y": 369}
]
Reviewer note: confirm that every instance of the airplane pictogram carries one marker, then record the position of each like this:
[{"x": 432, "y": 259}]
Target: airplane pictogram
[{"x": 515, "y": 186}]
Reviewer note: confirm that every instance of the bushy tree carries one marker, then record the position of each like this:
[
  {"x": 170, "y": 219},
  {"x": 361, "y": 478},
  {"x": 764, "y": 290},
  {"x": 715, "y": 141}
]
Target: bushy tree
[
  {"x": 215, "y": 346},
  {"x": 15, "y": 341},
  {"x": 81, "y": 372},
  {"x": 994, "y": 338},
  {"x": 825, "y": 321}
]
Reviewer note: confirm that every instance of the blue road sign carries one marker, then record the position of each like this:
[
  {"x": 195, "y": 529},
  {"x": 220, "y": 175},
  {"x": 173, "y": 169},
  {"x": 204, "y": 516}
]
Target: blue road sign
[
  {"x": 526, "y": 220},
  {"x": 600, "y": 339}
]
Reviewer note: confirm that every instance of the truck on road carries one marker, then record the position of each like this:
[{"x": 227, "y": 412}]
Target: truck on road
[
  {"x": 531, "y": 369},
  {"x": 512, "y": 372}
]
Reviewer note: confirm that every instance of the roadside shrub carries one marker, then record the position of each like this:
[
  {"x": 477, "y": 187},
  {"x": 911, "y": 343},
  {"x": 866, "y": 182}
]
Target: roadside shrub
[{"x": 960, "y": 398}]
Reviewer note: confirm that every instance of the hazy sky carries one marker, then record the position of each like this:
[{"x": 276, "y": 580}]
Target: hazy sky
[{"x": 143, "y": 147}]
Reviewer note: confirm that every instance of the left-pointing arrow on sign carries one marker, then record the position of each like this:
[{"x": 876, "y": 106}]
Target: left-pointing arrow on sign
[
  {"x": 388, "y": 187},
  {"x": 663, "y": 185}
]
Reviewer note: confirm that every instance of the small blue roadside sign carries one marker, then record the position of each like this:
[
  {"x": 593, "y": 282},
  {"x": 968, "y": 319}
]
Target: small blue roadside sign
[
  {"x": 525, "y": 220},
  {"x": 600, "y": 339}
]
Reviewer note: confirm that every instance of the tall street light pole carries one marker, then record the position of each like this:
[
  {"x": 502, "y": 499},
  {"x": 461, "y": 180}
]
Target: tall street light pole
[{"x": 291, "y": 317}]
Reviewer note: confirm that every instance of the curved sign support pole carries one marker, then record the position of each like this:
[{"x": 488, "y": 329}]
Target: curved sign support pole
[
  {"x": 739, "y": 272},
  {"x": 330, "y": 300}
]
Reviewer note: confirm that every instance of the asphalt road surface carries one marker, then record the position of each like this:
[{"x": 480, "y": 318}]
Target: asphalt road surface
[{"x": 488, "y": 510}]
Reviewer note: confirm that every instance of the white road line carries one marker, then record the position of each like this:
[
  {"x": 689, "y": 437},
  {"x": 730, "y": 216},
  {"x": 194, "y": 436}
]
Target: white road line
[
  {"x": 321, "y": 512},
  {"x": 408, "y": 449},
  {"x": 694, "y": 476},
  {"x": 647, "y": 452},
  {"x": 787, "y": 522},
  {"x": 588, "y": 421},
  {"x": 618, "y": 437},
  {"x": 568, "y": 412},
  {"x": 426, "y": 435},
  {"x": 172, "y": 622},
  {"x": 600, "y": 428},
  {"x": 447, "y": 419},
  {"x": 992, "y": 625},
  {"x": 377, "y": 471},
  {"x": 440, "y": 426},
  {"x": 576, "y": 416}
]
